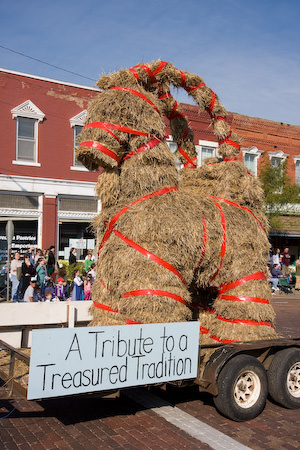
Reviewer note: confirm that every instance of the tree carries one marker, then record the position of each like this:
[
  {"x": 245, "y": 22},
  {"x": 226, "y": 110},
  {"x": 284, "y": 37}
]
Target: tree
[{"x": 278, "y": 189}]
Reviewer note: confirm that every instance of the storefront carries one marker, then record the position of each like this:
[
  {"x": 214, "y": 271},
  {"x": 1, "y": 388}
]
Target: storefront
[
  {"x": 75, "y": 215},
  {"x": 25, "y": 211}
]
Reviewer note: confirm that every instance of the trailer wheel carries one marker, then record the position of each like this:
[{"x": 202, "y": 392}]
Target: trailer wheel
[
  {"x": 242, "y": 388},
  {"x": 284, "y": 378}
]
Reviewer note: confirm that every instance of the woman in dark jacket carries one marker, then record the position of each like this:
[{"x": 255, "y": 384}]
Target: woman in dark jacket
[
  {"x": 72, "y": 257},
  {"x": 28, "y": 271}
]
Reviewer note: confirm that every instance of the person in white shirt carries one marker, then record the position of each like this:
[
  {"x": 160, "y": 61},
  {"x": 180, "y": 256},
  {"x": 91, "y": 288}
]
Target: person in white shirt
[
  {"x": 15, "y": 275},
  {"x": 29, "y": 293}
]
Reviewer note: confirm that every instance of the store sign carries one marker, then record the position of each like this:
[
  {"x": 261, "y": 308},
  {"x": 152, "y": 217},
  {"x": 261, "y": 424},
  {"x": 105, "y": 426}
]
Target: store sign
[
  {"x": 20, "y": 241},
  {"x": 72, "y": 361}
]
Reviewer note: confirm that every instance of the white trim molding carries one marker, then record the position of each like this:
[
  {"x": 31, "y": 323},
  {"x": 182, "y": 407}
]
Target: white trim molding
[
  {"x": 29, "y": 110},
  {"x": 279, "y": 154},
  {"x": 26, "y": 163},
  {"x": 79, "y": 119}
]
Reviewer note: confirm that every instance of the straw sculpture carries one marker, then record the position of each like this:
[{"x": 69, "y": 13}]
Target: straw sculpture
[{"x": 174, "y": 245}]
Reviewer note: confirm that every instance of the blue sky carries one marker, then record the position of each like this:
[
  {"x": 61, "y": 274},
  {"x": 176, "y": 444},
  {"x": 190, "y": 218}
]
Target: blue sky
[{"x": 246, "y": 51}]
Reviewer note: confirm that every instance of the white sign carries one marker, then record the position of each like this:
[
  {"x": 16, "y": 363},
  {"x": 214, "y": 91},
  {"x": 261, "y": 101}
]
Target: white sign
[{"x": 71, "y": 361}]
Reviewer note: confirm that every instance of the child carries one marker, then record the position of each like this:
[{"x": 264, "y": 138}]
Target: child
[
  {"x": 48, "y": 296},
  {"x": 92, "y": 272},
  {"x": 60, "y": 289},
  {"x": 49, "y": 288},
  {"x": 88, "y": 287},
  {"x": 77, "y": 286},
  {"x": 37, "y": 294}
]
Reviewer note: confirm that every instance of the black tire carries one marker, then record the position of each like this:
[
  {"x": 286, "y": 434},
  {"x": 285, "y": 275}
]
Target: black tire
[
  {"x": 242, "y": 388},
  {"x": 284, "y": 378}
]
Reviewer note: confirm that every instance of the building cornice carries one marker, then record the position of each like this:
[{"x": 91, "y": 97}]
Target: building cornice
[
  {"x": 50, "y": 80},
  {"x": 47, "y": 186}
]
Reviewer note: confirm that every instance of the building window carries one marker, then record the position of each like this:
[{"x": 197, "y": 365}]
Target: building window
[
  {"x": 28, "y": 117},
  {"x": 206, "y": 149},
  {"x": 77, "y": 131},
  {"x": 277, "y": 158},
  {"x": 77, "y": 122},
  {"x": 251, "y": 156},
  {"x": 26, "y": 139},
  {"x": 173, "y": 147},
  {"x": 275, "y": 162},
  {"x": 297, "y": 169}
]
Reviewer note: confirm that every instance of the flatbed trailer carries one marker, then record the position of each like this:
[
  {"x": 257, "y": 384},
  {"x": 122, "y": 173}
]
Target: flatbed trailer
[{"x": 239, "y": 376}]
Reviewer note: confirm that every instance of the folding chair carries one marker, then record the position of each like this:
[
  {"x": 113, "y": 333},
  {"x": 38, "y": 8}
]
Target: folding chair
[{"x": 284, "y": 285}]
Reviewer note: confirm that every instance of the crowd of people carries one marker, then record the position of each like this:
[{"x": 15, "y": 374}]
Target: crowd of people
[
  {"x": 279, "y": 266},
  {"x": 39, "y": 277}
]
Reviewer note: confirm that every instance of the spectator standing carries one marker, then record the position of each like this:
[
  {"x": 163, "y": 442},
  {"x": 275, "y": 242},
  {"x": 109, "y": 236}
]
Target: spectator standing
[
  {"x": 28, "y": 271},
  {"x": 51, "y": 262},
  {"x": 77, "y": 286},
  {"x": 38, "y": 254},
  {"x": 15, "y": 275},
  {"x": 92, "y": 272},
  {"x": 88, "y": 262},
  {"x": 286, "y": 260},
  {"x": 41, "y": 272},
  {"x": 88, "y": 287},
  {"x": 72, "y": 256},
  {"x": 276, "y": 256},
  {"x": 31, "y": 252},
  {"x": 29, "y": 293}
]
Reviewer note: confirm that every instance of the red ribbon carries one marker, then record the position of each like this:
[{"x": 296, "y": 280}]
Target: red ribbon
[
  {"x": 229, "y": 202},
  {"x": 105, "y": 307},
  {"x": 236, "y": 298},
  {"x": 229, "y": 142},
  {"x": 108, "y": 308},
  {"x": 152, "y": 75},
  {"x": 112, "y": 126},
  {"x": 223, "y": 341},
  {"x": 188, "y": 159},
  {"x": 150, "y": 144},
  {"x": 212, "y": 101},
  {"x": 149, "y": 255},
  {"x": 223, "y": 246},
  {"x": 122, "y": 211},
  {"x": 245, "y": 322},
  {"x": 193, "y": 88},
  {"x": 101, "y": 148},
  {"x": 158, "y": 292},
  {"x": 225, "y": 287},
  {"x": 137, "y": 93}
]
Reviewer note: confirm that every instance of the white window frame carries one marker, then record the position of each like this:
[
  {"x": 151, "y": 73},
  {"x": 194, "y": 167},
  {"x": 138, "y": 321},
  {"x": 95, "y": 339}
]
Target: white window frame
[
  {"x": 253, "y": 151},
  {"x": 297, "y": 160},
  {"x": 78, "y": 120},
  {"x": 212, "y": 144},
  {"x": 170, "y": 141},
  {"x": 279, "y": 154},
  {"x": 28, "y": 110}
]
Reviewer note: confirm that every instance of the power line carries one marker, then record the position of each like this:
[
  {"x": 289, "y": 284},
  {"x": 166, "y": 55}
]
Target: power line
[{"x": 48, "y": 64}]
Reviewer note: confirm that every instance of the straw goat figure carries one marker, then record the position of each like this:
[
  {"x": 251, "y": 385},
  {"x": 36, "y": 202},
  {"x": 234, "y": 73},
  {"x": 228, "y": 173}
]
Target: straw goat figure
[{"x": 173, "y": 245}]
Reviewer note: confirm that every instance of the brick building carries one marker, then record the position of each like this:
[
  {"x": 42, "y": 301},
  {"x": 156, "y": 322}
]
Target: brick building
[{"x": 49, "y": 195}]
